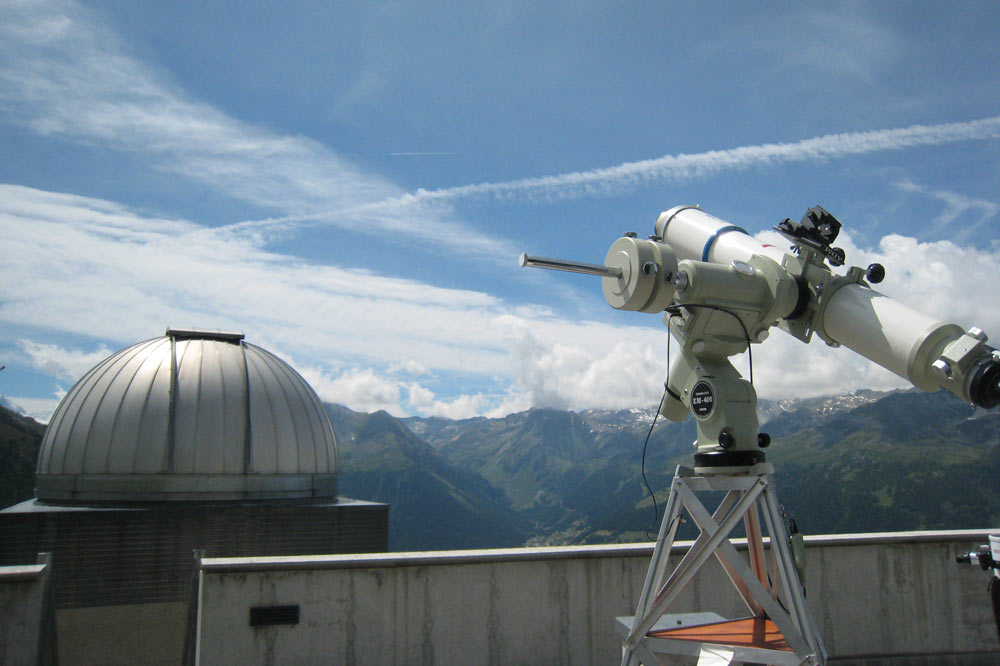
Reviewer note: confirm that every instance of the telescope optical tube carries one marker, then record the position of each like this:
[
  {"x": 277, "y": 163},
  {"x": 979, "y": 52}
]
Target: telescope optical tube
[
  {"x": 930, "y": 353},
  {"x": 694, "y": 234}
]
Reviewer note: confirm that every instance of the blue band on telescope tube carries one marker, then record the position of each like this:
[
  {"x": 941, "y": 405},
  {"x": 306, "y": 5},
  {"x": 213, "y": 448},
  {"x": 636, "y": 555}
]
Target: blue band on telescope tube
[{"x": 719, "y": 232}]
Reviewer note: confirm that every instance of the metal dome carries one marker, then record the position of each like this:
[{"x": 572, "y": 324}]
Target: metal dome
[{"x": 194, "y": 415}]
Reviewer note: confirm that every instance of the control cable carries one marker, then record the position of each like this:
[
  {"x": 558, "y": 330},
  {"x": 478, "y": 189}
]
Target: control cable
[{"x": 674, "y": 311}]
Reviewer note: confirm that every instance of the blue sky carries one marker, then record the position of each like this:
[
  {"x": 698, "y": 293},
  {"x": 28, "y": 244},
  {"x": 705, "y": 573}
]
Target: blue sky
[{"x": 350, "y": 184}]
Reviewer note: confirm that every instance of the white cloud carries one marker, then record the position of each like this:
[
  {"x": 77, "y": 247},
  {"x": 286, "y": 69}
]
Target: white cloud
[
  {"x": 425, "y": 403},
  {"x": 515, "y": 401},
  {"x": 40, "y": 409},
  {"x": 359, "y": 389},
  {"x": 956, "y": 205},
  {"x": 116, "y": 276},
  {"x": 420, "y": 397},
  {"x": 409, "y": 367},
  {"x": 366, "y": 390},
  {"x": 68, "y": 364},
  {"x": 624, "y": 369},
  {"x": 64, "y": 74},
  {"x": 86, "y": 267}
]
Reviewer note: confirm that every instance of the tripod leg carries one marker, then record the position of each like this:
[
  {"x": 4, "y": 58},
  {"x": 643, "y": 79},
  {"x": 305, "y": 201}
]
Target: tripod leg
[
  {"x": 658, "y": 564},
  {"x": 691, "y": 563},
  {"x": 755, "y": 548},
  {"x": 790, "y": 582},
  {"x": 664, "y": 542}
]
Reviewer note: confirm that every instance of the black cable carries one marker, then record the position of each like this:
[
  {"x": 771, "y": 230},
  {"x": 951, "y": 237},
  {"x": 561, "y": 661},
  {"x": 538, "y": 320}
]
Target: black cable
[
  {"x": 666, "y": 391},
  {"x": 674, "y": 310},
  {"x": 770, "y": 585},
  {"x": 656, "y": 508}
]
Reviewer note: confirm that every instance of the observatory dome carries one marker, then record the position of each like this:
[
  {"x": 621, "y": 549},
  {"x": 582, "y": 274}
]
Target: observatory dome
[{"x": 194, "y": 415}]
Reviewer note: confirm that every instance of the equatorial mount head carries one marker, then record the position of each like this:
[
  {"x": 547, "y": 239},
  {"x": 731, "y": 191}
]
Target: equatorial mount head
[{"x": 817, "y": 230}]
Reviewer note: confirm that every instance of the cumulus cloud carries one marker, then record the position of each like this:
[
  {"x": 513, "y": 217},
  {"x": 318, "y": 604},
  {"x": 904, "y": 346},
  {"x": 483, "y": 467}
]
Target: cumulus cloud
[
  {"x": 554, "y": 372},
  {"x": 425, "y": 402},
  {"x": 367, "y": 390},
  {"x": 362, "y": 390}
]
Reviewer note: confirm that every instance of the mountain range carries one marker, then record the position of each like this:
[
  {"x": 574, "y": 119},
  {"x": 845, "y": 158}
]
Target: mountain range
[
  {"x": 858, "y": 462},
  {"x": 19, "y": 440}
]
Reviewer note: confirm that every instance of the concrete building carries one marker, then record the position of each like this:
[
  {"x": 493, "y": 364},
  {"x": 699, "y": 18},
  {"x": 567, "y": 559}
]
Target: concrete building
[{"x": 196, "y": 440}]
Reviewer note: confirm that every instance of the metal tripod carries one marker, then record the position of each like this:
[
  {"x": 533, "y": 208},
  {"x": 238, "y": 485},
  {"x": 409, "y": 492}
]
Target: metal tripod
[{"x": 780, "y": 629}]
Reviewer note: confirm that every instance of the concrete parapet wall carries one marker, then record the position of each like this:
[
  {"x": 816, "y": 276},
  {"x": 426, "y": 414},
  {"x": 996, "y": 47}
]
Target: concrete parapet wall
[
  {"x": 877, "y": 597},
  {"x": 132, "y": 635},
  {"x": 27, "y": 636}
]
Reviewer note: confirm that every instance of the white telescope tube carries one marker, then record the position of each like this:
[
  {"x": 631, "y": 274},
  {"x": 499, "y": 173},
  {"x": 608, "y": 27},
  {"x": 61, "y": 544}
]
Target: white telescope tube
[
  {"x": 694, "y": 234},
  {"x": 885, "y": 331}
]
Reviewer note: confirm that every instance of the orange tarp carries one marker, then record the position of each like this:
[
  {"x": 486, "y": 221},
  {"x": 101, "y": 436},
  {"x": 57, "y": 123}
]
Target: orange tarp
[{"x": 749, "y": 632}]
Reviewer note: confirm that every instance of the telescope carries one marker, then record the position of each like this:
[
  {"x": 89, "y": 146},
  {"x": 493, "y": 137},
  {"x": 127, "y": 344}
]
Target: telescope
[{"x": 722, "y": 290}]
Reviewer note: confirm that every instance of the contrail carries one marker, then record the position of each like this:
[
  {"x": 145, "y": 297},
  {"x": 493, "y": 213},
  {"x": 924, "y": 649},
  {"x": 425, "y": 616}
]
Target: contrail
[
  {"x": 676, "y": 168},
  {"x": 700, "y": 165}
]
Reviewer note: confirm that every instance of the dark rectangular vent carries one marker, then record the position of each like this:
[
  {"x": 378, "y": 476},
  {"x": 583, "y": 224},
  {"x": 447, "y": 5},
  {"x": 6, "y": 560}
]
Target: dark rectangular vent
[
  {"x": 261, "y": 616},
  {"x": 204, "y": 334}
]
